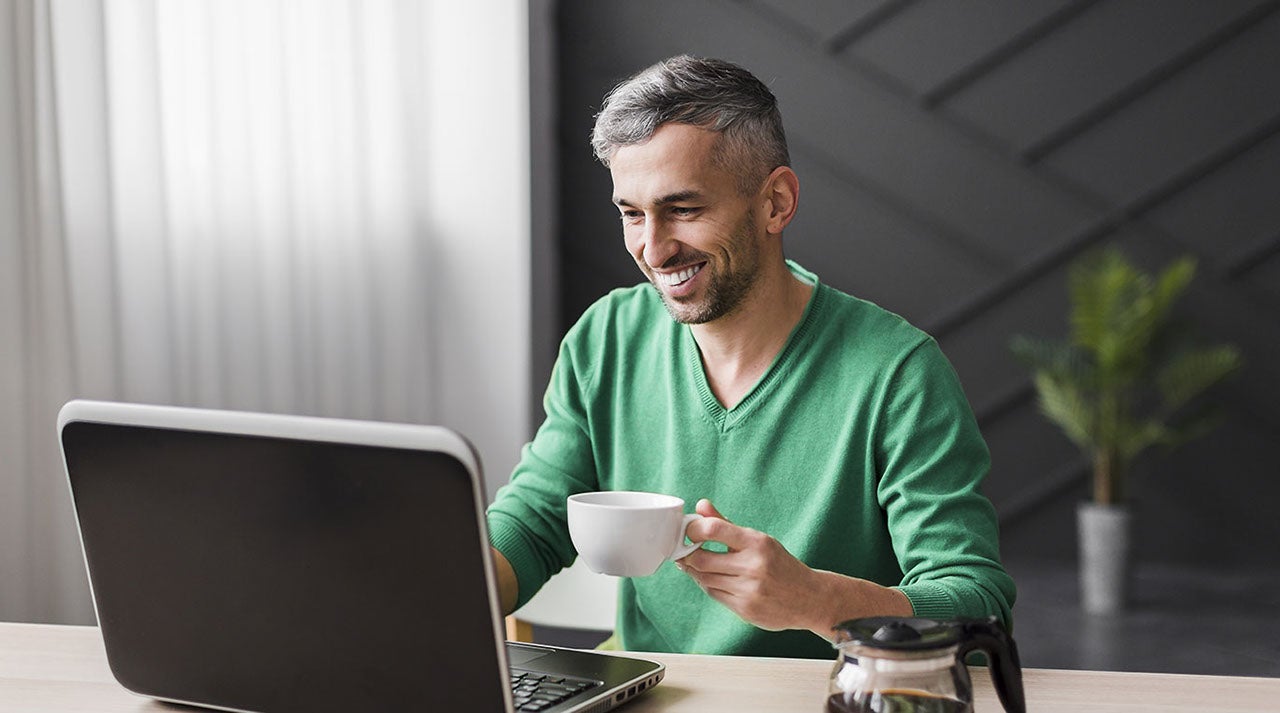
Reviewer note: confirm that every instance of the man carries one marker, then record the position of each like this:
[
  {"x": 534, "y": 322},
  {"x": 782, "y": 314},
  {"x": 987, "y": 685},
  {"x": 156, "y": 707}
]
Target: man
[{"x": 826, "y": 442}]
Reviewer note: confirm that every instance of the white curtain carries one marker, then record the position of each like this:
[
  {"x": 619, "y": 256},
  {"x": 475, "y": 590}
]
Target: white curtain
[
  {"x": 231, "y": 204},
  {"x": 36, "y": 363}
]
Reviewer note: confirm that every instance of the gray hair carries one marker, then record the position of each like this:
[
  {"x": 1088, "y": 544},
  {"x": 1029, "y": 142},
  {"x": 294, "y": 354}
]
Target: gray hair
[{"x": 708, "y": 93}]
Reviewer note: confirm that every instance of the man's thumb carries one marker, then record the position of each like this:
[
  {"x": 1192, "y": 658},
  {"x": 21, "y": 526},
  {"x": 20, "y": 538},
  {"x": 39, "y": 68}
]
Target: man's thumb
[{"x": 706, "y": 509}]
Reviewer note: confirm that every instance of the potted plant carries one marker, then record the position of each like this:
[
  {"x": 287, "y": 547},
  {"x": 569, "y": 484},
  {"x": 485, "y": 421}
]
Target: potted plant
[{"x": 1126, "y": 380}]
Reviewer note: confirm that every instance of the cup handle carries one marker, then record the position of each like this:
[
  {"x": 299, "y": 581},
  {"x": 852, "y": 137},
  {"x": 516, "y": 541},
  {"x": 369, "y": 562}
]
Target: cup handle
[{"x": 683, "y": 549}]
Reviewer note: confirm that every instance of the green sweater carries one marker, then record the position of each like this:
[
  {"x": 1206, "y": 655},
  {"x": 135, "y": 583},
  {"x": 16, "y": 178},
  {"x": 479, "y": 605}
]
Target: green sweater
[{"x": 857, "y": 450}]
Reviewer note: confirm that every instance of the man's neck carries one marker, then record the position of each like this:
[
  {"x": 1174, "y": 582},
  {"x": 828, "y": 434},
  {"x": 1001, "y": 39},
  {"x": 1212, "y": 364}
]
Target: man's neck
[{"x": 738, "y": 348}]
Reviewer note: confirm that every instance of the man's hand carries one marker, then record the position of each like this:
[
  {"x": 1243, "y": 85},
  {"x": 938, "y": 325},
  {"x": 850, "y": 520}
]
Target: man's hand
[{"x": 767, "y": 586}]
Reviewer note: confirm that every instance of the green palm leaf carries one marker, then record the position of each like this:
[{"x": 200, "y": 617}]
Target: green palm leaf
[
  {"x": 1066, "y": 405},
  {"x": 1192, "y": 372},
  {"x": 1103, "y": 387}
]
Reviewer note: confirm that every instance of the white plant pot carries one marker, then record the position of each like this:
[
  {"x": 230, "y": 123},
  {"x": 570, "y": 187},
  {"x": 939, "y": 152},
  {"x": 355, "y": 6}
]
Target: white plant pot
[{"x": 1104, "y": 557}]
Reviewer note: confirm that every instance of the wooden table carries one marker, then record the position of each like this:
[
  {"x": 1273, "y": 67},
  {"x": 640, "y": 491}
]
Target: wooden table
[{"x": 56, "y": 669}]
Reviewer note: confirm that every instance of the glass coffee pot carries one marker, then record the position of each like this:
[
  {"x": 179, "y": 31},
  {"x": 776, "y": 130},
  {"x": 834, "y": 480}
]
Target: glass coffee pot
[{"x": 904, "y": 665}]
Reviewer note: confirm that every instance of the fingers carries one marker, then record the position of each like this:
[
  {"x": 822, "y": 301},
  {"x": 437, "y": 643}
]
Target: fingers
[
  {"x": 725, "y": 584},
  {"x": 719, "y": 584},
  {"x": 706, "y": 510},
  {"x": 743, "y": 596},
  {"x": 700, "y": 561},
  {"x": 743, "y": 562},
  {"x": 714, "y": 527}
]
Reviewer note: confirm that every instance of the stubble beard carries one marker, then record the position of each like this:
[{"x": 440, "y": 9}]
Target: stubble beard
[{"x": 724, "y": 292}]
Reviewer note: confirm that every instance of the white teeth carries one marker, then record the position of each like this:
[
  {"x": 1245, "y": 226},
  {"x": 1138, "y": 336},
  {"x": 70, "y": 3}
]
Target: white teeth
[{"x": 672, "y": 279}]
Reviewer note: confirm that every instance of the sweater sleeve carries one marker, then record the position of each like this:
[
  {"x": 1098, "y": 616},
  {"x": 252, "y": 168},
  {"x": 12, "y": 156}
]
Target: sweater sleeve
[
  {"x": 527, "y": 520},
  {"x": 932, "y": 460}
]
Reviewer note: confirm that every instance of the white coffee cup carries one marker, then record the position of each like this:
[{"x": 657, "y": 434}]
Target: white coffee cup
[{"x": 627, "y": 533}]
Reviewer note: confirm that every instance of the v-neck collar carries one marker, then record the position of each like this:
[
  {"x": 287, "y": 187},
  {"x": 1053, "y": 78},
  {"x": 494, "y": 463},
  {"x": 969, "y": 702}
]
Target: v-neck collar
[{"x": 727, "y": 418}]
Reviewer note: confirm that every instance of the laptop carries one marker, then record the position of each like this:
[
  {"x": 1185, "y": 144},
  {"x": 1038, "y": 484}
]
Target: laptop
[{"x": 254, "y": 562}]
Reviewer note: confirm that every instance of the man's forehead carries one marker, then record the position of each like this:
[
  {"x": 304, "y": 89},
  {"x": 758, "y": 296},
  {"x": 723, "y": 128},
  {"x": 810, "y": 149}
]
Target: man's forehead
[{"x": 677, "y": 163}]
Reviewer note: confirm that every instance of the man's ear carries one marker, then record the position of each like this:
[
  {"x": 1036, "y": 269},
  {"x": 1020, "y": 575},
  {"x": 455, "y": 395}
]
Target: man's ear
[{"x": 781, "y": 194}]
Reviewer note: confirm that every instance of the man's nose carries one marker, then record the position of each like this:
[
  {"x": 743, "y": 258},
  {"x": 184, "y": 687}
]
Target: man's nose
[{"x": 659, "y": 245}]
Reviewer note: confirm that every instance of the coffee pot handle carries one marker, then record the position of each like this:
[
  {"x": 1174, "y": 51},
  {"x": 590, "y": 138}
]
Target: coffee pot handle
[{"x": 1006, "y": 670}]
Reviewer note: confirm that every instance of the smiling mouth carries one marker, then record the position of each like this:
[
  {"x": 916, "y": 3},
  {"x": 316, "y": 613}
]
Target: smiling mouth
[{"x": 673, "y": 279}]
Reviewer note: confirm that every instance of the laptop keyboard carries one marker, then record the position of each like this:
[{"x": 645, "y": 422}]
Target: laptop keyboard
[{"x": 534, "y": 692}]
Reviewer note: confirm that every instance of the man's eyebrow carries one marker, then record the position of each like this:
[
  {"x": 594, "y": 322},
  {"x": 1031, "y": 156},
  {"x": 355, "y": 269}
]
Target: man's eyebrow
[{"x": 677, "y": 197}]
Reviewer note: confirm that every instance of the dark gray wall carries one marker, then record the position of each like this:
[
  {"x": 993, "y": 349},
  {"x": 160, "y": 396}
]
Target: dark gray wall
[{"x": 954, "y": 157}]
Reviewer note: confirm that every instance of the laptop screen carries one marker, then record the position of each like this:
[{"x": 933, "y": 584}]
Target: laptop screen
[{"x": 271, "y": 573}]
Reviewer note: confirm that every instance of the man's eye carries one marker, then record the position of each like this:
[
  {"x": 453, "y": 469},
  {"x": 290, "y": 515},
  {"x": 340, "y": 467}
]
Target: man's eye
[
  {"x": 631, "y": 216},
  {"x": 684, "y": 211}
]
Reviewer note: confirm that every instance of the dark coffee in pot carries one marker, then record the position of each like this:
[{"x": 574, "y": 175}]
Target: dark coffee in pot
[{"x": 895, "y": 702}]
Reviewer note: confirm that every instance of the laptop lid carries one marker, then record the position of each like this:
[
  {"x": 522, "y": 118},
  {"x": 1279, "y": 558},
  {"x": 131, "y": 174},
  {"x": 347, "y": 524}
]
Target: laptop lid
[{"x": 256, "y": 562}]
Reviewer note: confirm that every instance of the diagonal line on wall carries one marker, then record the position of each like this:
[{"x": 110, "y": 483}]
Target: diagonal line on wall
[
  {"x": 1009, "y": 399},
  {"x": 842, "y": 37},
  {"x": 1040, "y": 265},
  {"x": 866, "y": 70},
  {"x": 934, "y": 226},
  {"x": 1244, "y": 261},
  {"x": 1006, "y": 51},
  {"x": 1046, "y": 489},
  {"x": 1201, "y": 168},
  {"x": 865, "y": 24},
  {"x": 1117, "y": 217},
  {"x": 1192, "y": 175},
  {"x": 1099, "y": 112}
]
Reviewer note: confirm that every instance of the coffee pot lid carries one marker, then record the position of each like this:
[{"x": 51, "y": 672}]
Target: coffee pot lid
[{"x": 893, "y": 633}]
